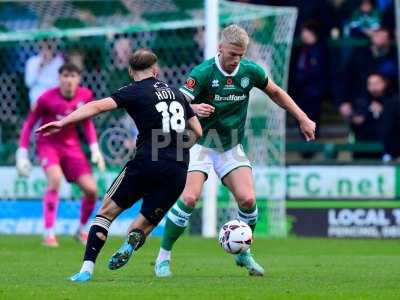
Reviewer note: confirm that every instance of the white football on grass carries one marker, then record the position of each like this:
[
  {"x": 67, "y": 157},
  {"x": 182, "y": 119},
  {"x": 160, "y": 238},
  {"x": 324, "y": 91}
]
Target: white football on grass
[{"x": 235, "y": 237}]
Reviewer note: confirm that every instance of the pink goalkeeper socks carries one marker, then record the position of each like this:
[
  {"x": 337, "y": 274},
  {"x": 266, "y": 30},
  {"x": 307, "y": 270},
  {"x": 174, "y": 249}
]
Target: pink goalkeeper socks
[
  {"x": 87, "y": 207},
  {"x": 50, "y": 205}
]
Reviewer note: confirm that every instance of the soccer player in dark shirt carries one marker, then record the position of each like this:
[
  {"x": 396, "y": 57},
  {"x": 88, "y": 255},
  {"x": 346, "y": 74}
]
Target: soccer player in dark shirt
[{"x": 158, "y": 172}]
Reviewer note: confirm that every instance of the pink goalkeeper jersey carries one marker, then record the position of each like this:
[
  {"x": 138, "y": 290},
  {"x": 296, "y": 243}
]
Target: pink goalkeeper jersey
[{"x": 52, "y": 106}]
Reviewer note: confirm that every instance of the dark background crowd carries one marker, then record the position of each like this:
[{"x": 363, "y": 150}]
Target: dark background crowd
[{"x": 344, "y": 74}]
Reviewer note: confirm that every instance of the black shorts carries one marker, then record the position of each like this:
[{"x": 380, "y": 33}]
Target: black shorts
[{"x": 158, "y": 183}]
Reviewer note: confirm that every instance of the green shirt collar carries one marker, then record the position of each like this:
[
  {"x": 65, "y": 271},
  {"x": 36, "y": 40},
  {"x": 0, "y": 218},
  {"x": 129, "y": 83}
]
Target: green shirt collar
[{"x": 222, "y": 70}]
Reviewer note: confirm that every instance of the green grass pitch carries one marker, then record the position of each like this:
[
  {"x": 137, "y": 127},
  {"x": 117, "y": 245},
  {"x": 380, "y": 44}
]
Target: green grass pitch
[{"x": 297, "y": 268}]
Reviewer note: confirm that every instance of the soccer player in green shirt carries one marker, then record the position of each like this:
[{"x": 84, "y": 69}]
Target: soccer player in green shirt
[{"x": 219, "y": 91}]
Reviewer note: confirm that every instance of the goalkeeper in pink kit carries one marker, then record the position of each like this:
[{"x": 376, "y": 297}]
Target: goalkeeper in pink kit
[{"x": 60, "y": 154}]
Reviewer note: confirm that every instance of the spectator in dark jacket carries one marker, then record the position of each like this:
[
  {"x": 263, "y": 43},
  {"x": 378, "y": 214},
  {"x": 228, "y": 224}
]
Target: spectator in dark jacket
[
  {"x": 375, "y": 118},
  {"x": 379, "y": 57},
  {"x": 310, "y": 75}
]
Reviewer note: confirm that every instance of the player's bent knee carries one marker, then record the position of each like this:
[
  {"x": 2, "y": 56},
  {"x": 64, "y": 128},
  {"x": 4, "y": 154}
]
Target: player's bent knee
[
  {"x": 246, "y": 201},
  {"x": 91, "y": 193},
  {"x": 190, "y": 199},
  {"x": 54, "y": 183}
]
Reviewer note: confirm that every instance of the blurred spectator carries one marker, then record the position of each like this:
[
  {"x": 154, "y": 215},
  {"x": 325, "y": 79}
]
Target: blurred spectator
[
  {"x": 368, "y": 118},
  {"x": 41, "y": 70},
  {"x": 363, "y": 21},
  {"x": 121, "y": 53},
  {"x": 76, "y": 56},
  {"x": 118, "y": 75},
  {"x": 310, "y": 73},
  {"x": 378, "y": 57}
]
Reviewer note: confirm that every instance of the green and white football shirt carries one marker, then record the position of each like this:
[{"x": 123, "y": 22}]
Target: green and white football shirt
[{"x": 229, "y": 94}]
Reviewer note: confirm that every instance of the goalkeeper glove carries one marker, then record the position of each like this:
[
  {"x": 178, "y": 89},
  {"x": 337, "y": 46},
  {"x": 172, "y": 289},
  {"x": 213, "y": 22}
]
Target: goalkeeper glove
[
  {"x": 96, "y": 157},
  {"x": 23, "y": 164}
]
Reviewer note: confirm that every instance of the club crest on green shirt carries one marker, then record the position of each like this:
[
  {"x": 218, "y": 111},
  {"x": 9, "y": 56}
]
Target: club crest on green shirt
[{"x": 244, "y": 82}]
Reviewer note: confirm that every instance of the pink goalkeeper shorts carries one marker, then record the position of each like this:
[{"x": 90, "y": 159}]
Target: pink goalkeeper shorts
[{"x": 72, "y": 160}]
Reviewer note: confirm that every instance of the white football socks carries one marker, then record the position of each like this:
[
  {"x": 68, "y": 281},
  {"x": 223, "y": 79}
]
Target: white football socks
[
  {"x": 163, "y": 255},
  {"x": 49, "y": 232},
  {"x": 81, "y": 228},
  {"x": 87, "y": 266}
]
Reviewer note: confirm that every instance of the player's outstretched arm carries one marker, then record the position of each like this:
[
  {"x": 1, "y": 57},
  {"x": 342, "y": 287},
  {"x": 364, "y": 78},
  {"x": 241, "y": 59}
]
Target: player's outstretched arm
[
  {"x": 88, "y": 110},
  {"x": 280, "y": 97}
]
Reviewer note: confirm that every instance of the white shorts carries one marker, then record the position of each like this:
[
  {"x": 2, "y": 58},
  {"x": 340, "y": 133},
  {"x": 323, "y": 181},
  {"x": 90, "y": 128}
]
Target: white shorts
[{"x": 202, "y": 159}]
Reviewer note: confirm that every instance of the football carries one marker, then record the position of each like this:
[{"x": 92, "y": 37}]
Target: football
[{"x": 235, "y": 237}]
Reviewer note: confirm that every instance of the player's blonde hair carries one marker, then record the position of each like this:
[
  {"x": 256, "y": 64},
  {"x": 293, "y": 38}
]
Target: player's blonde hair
[{"x": 236, "y": 35}]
